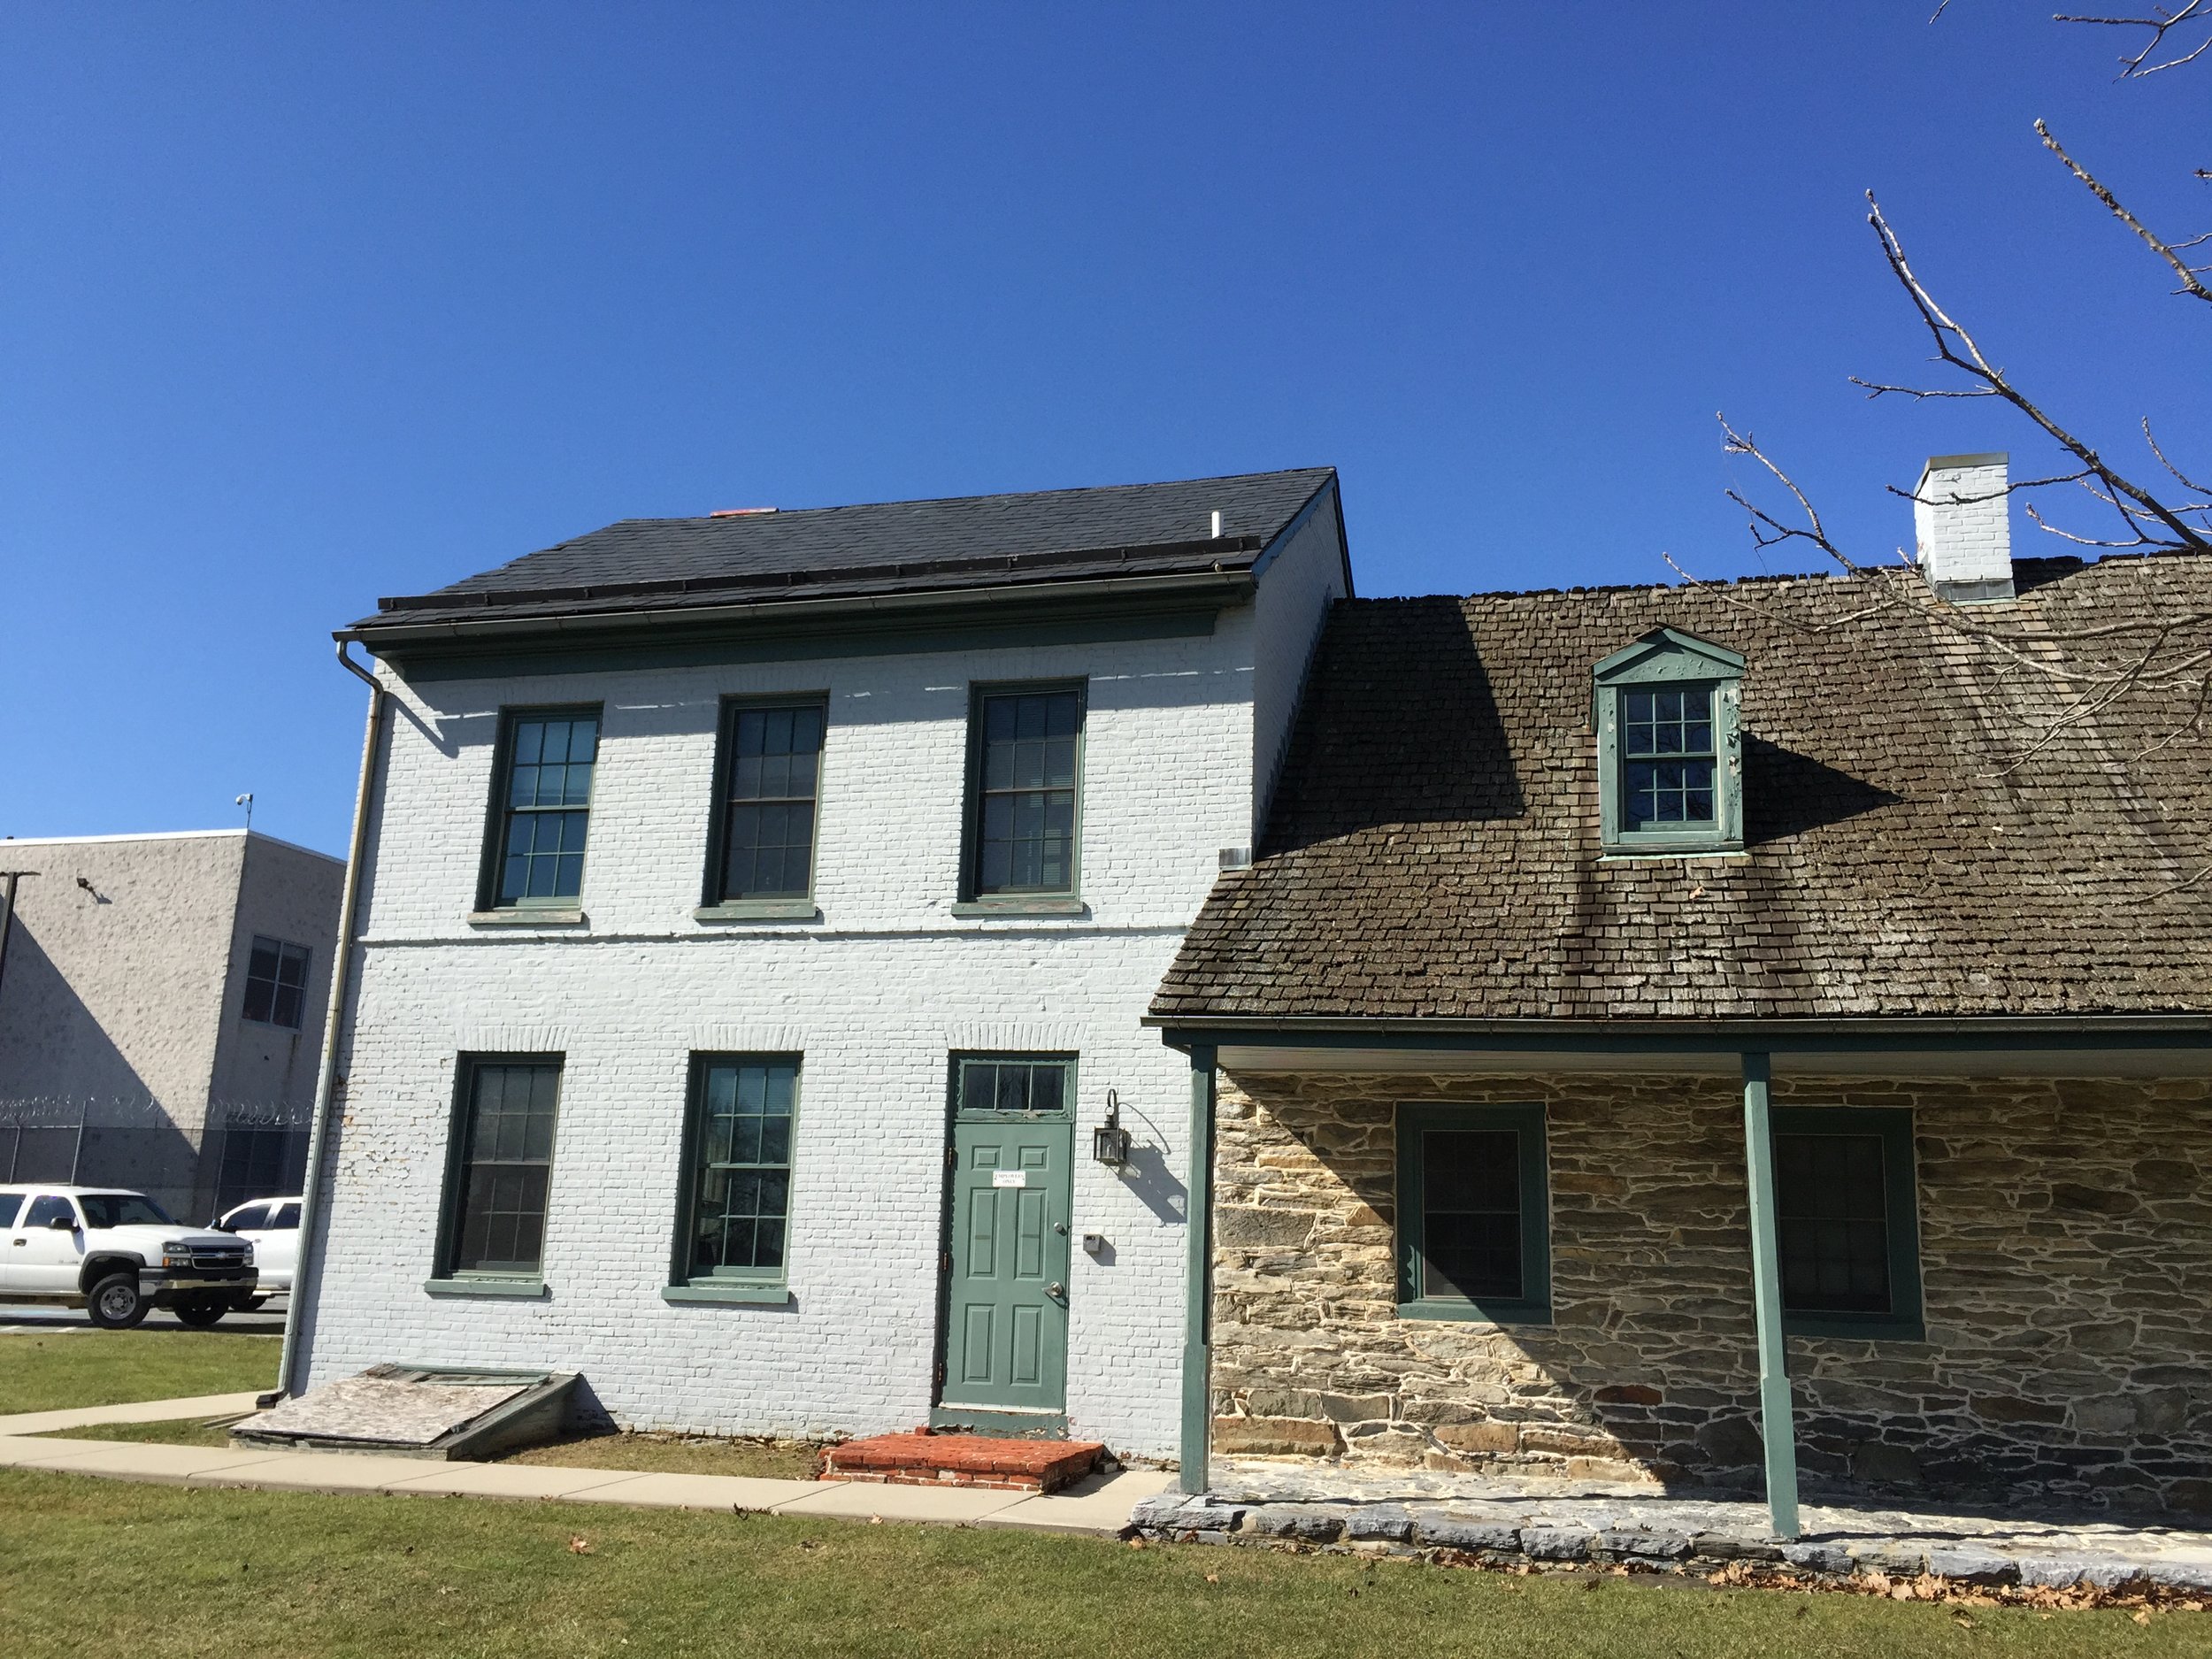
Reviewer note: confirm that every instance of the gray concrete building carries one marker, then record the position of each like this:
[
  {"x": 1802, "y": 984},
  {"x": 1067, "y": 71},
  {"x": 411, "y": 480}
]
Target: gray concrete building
[{"x": 162, "y": 1001}]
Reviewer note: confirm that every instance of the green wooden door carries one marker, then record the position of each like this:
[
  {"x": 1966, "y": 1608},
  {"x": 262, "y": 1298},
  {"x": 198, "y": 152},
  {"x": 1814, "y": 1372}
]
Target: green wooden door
[{"x": 1006, "y": 1306}]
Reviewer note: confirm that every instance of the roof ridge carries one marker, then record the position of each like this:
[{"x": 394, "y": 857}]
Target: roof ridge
[{"x": 961, "y": 501}]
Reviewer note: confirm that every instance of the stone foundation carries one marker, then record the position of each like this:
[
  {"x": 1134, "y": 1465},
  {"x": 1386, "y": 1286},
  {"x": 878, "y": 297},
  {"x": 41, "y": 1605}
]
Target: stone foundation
[{"x": 2066, "y": 1252}]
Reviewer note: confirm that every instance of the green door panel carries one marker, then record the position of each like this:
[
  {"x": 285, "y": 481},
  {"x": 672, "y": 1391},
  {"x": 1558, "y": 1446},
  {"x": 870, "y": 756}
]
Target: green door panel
[{"x": 1006, "y": 1326}]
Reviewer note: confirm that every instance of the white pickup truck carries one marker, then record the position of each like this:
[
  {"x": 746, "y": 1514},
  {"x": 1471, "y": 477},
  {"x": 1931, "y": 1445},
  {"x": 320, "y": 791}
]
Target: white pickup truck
[{"x": 115, "y": 1253}]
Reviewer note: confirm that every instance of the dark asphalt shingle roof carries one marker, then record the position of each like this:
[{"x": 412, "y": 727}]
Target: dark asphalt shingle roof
[
  {"x": 1434, "y": 847},
  {"x": 882, "y": 548}
]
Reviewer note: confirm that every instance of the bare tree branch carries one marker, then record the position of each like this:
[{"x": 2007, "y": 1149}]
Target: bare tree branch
[
  {"x": 2190, "y": 281},
  {"x": 1958, "y": 349},
  {"x": 2160, "y": 24}
]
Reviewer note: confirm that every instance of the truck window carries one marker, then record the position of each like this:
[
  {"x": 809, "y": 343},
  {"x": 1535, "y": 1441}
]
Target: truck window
[
  {"x": 247, "y": 1218},
  {"x": 122, "y": 1209},
  {"x": 287, "y": 1215},
  {"x": 10, "y": 1203},
  {"x": 45, "y": 1207}
]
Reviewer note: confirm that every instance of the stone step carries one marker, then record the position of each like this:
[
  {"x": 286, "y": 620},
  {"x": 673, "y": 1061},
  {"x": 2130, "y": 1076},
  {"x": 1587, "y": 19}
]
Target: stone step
[{"x": 927, "y": 1459}]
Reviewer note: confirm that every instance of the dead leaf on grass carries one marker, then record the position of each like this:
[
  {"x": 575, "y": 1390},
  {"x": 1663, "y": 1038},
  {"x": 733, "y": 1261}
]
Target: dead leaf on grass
[{"x": 580, "y": 1546}]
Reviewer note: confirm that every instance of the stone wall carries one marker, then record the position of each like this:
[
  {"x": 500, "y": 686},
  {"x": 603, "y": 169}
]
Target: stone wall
[{"x": 2066, "y": 1248}]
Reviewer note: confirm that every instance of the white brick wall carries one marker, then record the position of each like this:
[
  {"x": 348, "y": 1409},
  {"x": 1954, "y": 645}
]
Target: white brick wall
[{"x": 875, "y": 996}]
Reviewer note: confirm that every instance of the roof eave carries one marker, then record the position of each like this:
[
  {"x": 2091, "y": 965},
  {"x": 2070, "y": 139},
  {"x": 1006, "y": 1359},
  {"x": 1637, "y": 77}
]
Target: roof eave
[{"x": 1229, "y": 586}]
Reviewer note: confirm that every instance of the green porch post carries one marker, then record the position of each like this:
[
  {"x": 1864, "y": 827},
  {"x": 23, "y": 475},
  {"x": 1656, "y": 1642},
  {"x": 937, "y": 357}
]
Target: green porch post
[
  {"x": 1198, "y": 1273},
  {"x": 1777, "y": 1427}
]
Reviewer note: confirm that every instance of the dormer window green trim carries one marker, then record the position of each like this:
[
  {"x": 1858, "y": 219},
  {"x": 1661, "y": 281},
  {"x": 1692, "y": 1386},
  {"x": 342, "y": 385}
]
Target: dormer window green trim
[{"x": 1667, "y": 711}]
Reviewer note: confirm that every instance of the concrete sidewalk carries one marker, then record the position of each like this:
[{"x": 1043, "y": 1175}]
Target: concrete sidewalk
[{"x": 1100, "y": 1504}]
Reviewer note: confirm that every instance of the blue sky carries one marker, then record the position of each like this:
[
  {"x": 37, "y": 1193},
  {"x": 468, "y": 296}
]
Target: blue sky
[{"x": 300, "y": 305}]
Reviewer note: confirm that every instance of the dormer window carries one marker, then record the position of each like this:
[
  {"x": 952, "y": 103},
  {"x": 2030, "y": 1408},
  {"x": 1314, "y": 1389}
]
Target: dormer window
[{"x": 1670, "y": 752}]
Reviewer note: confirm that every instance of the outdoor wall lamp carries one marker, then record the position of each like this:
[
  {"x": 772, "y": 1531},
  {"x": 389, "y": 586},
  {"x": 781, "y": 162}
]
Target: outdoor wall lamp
[{"x": 1110, "y": 1141}]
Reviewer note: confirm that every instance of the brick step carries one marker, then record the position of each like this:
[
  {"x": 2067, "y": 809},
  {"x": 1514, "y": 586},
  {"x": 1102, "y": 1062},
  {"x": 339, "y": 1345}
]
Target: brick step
[{"x": 963, "y": 1460}]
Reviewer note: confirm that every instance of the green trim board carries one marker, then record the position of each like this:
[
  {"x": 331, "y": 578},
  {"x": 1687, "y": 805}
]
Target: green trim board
[
  {"x": 725, "y": 1283},
  {"x": 1891, "y": 1130},
  {"x": 1081, "y": 619},
  {"x": 1483, "y": 1171},
  {"x": 1197, "y": 1426},
  {"x": 727, "y": 1294},
  {"x": 1777, "y": 1427},
  {"x": 496, "y": 1286},
  {"x": 1726, "y": 1039}
]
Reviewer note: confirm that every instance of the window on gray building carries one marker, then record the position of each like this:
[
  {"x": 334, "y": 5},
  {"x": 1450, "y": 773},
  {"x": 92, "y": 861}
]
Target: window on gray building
[{"x": 276, "y": 983}]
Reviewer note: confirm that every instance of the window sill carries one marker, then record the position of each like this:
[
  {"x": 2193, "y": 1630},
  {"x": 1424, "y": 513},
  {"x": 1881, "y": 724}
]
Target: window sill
[
  {"x": 1468, "y": 1312},
  {"x": 759, "y": 910},
  {"x": 1041, "y": 905},
  {"x": 526, "y": 919},
  {"x": 733, "y": 1294},
  {"x": 508, "y": 1290},
  {"x": 1855, "y": 1326},
  {"x": 1634, "y": 855}
]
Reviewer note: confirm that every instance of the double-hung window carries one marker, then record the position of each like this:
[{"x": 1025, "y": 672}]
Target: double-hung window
[
  {"x": 1473, "y": 1222},
  {"x": 1025, "y": 792},
  {"x": 733, "y": 1233},
  {"x": 1667, "y": 758},
  {"x": 276, "y": 983},
  {"x": 543, "y": 807},
  {"x": 499, "y": 1168},
  {"x": 771, "y": 769},
  {"x": 1667, "y": 711},
  {"x": 1846, "y": 1221}
]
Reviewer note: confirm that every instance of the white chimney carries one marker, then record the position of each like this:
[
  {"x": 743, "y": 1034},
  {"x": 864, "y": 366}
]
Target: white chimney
[{"x": 1961, "y": 519}]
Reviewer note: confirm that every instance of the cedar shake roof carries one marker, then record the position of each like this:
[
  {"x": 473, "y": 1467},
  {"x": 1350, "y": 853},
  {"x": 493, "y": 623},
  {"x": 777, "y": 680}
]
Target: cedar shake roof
[
  {"x": 1434, "y": 847},
  {"x": 882, "y": 548}
]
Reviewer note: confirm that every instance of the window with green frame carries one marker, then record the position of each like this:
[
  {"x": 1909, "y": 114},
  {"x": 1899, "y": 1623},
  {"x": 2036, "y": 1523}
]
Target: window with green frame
[
  {"x": 1034, "y": 1087},
  {"x": 737, "y": 1199},
  {"x": 500, "y": 1166},
  {"x": 542, "y": 807},
  {"x": 772, "y": 773},
  {"x": 1026, "y": 786},
  {"x": 1846, "y": 1221},
  {"x": 1473, "y": 1214},
  {"x": 1667, "y": 710}
]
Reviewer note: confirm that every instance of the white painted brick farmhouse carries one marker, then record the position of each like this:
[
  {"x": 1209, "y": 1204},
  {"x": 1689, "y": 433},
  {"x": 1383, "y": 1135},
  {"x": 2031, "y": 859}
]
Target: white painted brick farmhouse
[{"x": 1184, "y": 639}]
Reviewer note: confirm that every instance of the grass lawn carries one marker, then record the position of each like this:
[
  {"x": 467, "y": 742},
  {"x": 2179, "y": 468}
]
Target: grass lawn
[
  {"x": 648, "y": 1454},
  {"x": 113, "y": 1368},
  {"x": 101, "y": 1568},
  {"x": 676, "y": 1455},
  {"x": 186, "y": 1432}
]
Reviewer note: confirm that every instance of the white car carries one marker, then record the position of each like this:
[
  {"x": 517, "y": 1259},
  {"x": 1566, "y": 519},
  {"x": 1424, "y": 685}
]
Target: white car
[
  {"x": 117, "y": 1254},
  {"x": 271, "y": 1225}
]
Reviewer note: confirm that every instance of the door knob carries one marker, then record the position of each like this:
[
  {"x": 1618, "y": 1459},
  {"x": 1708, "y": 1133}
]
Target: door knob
[{"x": 1055, "y": 1290}]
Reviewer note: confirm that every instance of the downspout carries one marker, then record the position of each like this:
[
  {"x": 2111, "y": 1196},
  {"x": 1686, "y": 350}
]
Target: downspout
[{"x": 341, "y": 978}]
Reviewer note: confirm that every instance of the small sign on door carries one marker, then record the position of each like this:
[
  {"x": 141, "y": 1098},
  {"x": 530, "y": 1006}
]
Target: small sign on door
[{"x": 1009, "y": 1178}]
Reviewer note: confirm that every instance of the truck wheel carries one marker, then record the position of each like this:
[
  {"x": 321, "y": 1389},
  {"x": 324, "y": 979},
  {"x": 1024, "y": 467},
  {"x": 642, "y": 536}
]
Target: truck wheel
[
  {"x": 116, "y": 1303},
  {"x": 200, "y": 1312}
]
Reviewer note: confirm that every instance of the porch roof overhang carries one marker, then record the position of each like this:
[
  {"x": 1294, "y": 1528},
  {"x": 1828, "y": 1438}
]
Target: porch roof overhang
[{"x": 2056, "y": 1045}]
